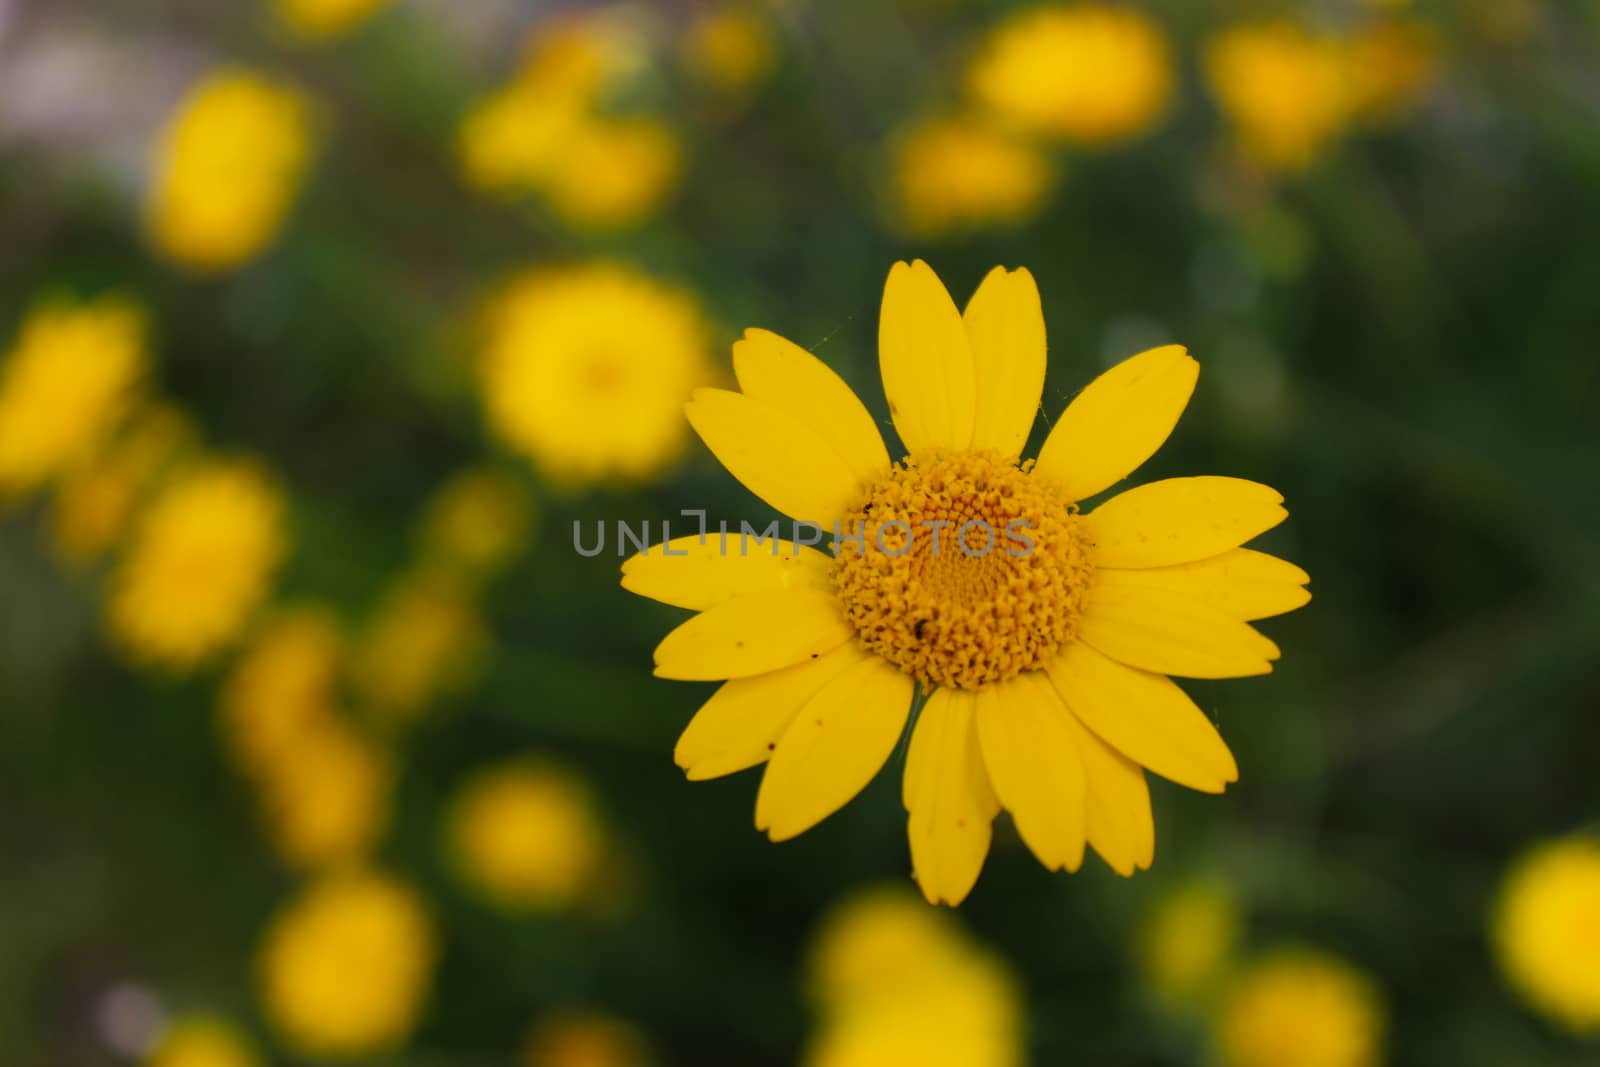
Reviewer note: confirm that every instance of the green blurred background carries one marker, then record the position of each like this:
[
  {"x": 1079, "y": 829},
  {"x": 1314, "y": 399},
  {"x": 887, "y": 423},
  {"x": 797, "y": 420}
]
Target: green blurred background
[{"x": 1399, "y": 335}]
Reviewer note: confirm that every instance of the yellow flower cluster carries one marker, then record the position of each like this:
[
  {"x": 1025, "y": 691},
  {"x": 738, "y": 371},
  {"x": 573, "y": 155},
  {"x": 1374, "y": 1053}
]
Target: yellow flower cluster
[
  {"x": 585, "y": 370},
  {"x": 1290, "y": 91},
  {"x": 1185, "y": 943},
  {"x": 899, "y": 983},
  {"x": 1546, "y": 931},
  {"x": 525, "y": 835},
  {"x": 345, "y": 968},
  {"x": 322, "y": 787},
  {"x": 961, "y": 172},
  {"x": 546, "y": 133},
  {"x": 227, "y": 169},
  {"x": 72, "y": 375},
  {"x": 322, "y": 19}
]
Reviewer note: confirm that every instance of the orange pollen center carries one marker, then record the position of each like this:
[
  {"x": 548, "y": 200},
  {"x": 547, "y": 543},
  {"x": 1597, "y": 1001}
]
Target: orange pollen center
[{"x": 961, "y": 570}]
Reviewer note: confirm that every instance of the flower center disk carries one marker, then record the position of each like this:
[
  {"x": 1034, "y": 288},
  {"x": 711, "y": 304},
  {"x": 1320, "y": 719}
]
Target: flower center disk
[{"x": 961, "y": 570}]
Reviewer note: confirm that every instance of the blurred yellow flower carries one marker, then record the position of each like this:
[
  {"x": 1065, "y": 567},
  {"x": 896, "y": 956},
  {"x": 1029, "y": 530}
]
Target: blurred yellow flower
[
  {"x": 586, "y": 370},
  {"x": 202, "y": 1042},
  {"x": 880, "y": 939},
  {"x": 284, "y": 684},
  {"x": 586, "y": 1039},
  {"x": 1185, "y": 941},
  {"x": 326, "y": 18},
  {"x": 427, "y": 639},
  {"x": 95, "y": 500},
  {"x": 526, "y": 835},
  {"x": 511, "y": 140},
  {"x": 614, "y": 173},
  {"x": 227, "y": 168},
  {"x": 584, "y": 53},
  {"x": 1087, "y": 72},
  {"x": 476, "y": 523},
  {"x": 899, "y": 988},
  {"x": 1283, "y": 89},
  {"x": 1300, "y": 1008},
  {"x": 960, "y": 173},
  {"x": 200, "y": 562},
  {"x": 1547, "y": 931},
  {"x": 1391, "y": 65},
  {"x": 729, "y": 49},
  {"x": 327, "y": 802},
  {"x": 344, "y": 968},
  {"x": 69, "y": 378}
]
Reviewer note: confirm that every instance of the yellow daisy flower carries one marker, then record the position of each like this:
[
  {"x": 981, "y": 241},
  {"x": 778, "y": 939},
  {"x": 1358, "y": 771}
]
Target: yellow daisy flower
[
  {"x": 345, "y": 968},
  {"x": 64, "y": 385},
  {"x": 960, "y": 173},
  {"x": 203, "y": 1042},
  {"x": 1041, "y": 638},
  {"x": 1284, "y": 90},
  {"x": 1546, "y": 931},
  {"x": 200, "y": 563},
  {"x": 1300, "y": 1008},
  {"x": 1185, "y": 941},
  {"x": 1091, "y": 73}
]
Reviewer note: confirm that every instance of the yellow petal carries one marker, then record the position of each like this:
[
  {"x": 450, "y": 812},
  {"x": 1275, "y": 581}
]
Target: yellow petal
[
  {"x": 1118, "y": 422},
  {"x": 691, "y": 572},
  {"x": 1122, "y": 827},
  {"x": 1005, "y": 329},
  {"x": 947, "y": 792},
  {"x": 1035, "y": 767},
  {"x": 753, "y": 634},
  {"x": 1169, "y": 633},
  {"x": 832, "y": 747},
  {"x": 775, "y": 456},
  {"x": 1242, "y": 582},
  {"x": 1180, "y": 520},
  {"x": 925, "y": 360},
  {"x": 781, "y": 373},
  {"x": 741, "y": 723},
  {"x": 1144, "y": 716}
]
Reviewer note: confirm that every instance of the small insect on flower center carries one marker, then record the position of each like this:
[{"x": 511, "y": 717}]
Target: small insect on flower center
[{"x": 961, "y": 570}]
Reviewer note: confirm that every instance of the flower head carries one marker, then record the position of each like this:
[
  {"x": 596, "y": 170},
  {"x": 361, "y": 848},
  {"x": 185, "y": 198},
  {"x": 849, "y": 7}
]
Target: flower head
[
  {"x": 426, "y": 639},
  {"x": 959, "y": 173},
  {"x": 1086, "y": 72},
  {"x": 202, "y": 1042},
  {"x": 1300, "y": 1008},
  {"x": 1284, "y": 89},
  {"x": 1039, "y": 636},
  {"x": 200, "y": 562},
  {"x": 613, "y": 173},
  {"x": 319, "y": 19},
  {"x": 476, "y": 522},
  {"x": 67, "y": 381},
  {"x": 585, "y": 371},
  {"x": 326, "y": 803},
  {"x": 902, "y": 985},
  {"x": 1547, "y": 931},
  {"x": 729, "y": 49},
  {"x": 1185, "y": 941},
  {"x": 283, "y": 685},
  {"x": 586, "y": 1039},
  {"x": 526, "y": 834},
  {"x": 345, "y": 967},
  {"x": 227, "y": 169},
  {"x": 95, "y": 500}
]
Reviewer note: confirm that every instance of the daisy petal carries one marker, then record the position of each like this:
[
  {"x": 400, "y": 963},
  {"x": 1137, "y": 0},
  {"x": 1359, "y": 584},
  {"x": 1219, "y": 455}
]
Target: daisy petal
[
  {"x": 1180, "y": 520},
  {"x": 1005, "y": 328},
  {"x": 1118, "y": 422},
  {"x": 1243, "y": 583},
  {"x": 925, "y": 360},
  {"x": 741, "y": 723},
  {"x": 779, "y": 372},
  {"x": 832, "y": 747},
  {"x": 1034, "y": 764},
  {"x": 698, "y": 573},
  {"x": 1122, "y": 828},
  {"x": 1144, "y": 716},
  {"x": 753, "y": 634},
  {"x": 1169, "y": 633},
  {"x": 777, "y": 457},
  {"x": 947, "y": 792}
]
